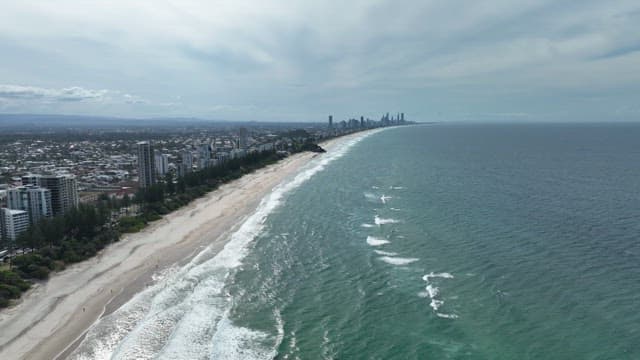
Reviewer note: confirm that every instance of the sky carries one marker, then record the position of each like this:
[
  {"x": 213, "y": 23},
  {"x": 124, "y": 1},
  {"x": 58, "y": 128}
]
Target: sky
[{"x": 294, "y": 60}]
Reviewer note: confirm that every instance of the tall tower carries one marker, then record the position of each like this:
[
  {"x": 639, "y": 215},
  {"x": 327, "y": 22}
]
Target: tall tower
[
  {"x": 243, "y": 141},
  {"x": 63, "y": 188},
  {"x": 32, "y": 199},
  {"x": 361, "y": 121},
  {"x": 161, "y": 163},
  {"x": 146, "y": 165},
  {"x": 187, "y": 160},
  {"x": 330, "y": 121}
]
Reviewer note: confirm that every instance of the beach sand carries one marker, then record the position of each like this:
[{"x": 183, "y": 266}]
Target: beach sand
[{"x": 53, "y": 317}]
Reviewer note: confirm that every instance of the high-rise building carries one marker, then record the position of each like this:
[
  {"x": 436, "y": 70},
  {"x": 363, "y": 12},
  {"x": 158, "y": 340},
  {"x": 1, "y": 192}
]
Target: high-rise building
[
  {"x": 162, "y": 163},
  {"x": 14, "y": 222},
  {"x": 204, "y": 155},
  {"x": 187, "y": 160},
  {"x": 330, "y": 121},
  {"x": 64, "y": 190},
  {"x": 33, "y": 199},
  {"x": 361, "y": 121},
  {"x": 146, "y": 165},
  {"x": 243, "y": 140}
]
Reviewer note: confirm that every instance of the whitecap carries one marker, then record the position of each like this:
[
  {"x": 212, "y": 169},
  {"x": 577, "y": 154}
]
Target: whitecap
[
  {"x": 398, "y": 260},
  {"x": 385, "y": 253},
  {"x": 367, "y": 225},
  {"x": 374, "y": 241},
  {"x": 447, "y": 316},
  {"x": 380, "y": 221},
  {"x": 384, "y": 198},
  {"x": 444, "y": 275}
]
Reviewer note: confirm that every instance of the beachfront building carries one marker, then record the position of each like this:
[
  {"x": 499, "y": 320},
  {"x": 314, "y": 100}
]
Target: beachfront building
[
  {"x": 187, "y": 160},
  {"x": 243, "y": 139},
  {"x": 63, "y": 188},
  {"x": 204, "y": 155},
  {"x": 146, "y": 165},
  {"x": 162, "y": 164},
  {"x": 13, "y": 223},
  {"x": 36, "y": 201}
]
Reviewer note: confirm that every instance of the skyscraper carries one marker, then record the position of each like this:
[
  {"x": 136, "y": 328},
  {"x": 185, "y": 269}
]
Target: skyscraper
[
  {"x": 32, "y": 199},
  {"x": 14, "y": 222},
  {"x": 64, "y": 190},
  {"x": 204, "y": 155},
  {"x": 330, "y": 121},
  {"x": 161, "y": 163},
  {"x": 187, "y": 160},
  {"x": 146, "y": 165},
  {"x": 243, "y": 140}
]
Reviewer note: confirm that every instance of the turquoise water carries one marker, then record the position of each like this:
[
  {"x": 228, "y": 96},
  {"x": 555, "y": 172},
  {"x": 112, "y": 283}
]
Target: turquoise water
[{"x": 423, "y": 242}]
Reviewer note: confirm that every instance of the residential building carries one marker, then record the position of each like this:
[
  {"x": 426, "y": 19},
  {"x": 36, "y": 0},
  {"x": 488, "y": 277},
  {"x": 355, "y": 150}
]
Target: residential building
[
  {"x": 146, "y": 166},
  {"x": 33, "y": 199},
  {"x": 64, "y": 190},
  {"x": 14, "y": 222},
  {"x": 161, "y": 163}
]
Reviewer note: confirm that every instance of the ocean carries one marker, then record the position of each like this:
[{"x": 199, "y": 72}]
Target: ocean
[{"x": 492, "y": 241}]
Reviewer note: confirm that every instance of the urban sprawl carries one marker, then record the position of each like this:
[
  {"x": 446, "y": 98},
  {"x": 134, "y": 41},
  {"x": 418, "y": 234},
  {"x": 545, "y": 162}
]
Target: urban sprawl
[{"x": 46, "y": 174}]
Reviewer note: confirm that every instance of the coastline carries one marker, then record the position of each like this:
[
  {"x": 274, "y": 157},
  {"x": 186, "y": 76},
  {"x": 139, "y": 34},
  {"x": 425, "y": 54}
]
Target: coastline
[{"x": 52, "y": 318}]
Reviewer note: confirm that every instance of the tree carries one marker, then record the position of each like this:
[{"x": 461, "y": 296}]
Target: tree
[{"x": 168, "y": 180}]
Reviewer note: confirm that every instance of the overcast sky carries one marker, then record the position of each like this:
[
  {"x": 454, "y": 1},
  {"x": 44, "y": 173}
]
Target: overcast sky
[{"x": 295, "y": 60}]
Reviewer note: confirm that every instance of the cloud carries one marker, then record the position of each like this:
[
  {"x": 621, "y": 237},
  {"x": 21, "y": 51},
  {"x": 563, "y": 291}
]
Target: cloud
[
  {"x": 32, "y": 93},
  {"x": 341, "y": 56}
]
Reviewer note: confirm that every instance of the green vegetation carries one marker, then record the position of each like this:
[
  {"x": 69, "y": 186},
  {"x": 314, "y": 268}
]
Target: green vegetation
[{"x": 85, "y": 230}]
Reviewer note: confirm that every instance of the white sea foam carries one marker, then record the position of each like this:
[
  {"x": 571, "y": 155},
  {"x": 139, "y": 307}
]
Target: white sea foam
[
  {"x": 380, "y": 221},
  {"x": 374, "y": 241},
  {"x": 396, "y": 187},
  {"x": 185, "y": 314},
  {"x": 367, "y": 225},
  {"x": 443, "y": 275},
  {"x": 397, "y": 260},
  {"x": 384, "y": 198},
  {"x": 370, "y": 196},
  {"x": 435, "y": 304},
  {"x": 385, "y": 253},
  {"x": 433, "y": 292},
  {"x": 447, "y": 316}
]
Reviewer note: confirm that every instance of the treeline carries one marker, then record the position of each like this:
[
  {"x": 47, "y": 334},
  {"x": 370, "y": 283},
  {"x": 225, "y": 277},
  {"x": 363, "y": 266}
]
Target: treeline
[{"x": 53, "y": 243}]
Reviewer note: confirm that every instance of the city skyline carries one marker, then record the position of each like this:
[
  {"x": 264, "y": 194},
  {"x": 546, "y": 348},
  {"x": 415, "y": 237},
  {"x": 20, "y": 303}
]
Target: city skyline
[{"x": 292, "y": 61}]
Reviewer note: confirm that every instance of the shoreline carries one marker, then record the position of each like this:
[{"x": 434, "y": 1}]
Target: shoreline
[{"x": 51, "y": 319}]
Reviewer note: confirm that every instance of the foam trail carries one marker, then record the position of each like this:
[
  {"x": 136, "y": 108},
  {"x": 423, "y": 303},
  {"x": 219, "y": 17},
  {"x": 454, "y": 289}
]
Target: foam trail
[
  {"x": 447, "y": 316},
  {"x": 398, "y": 260},
  {"x": 443, "y": 275},
  {"x": 384, "y": 198},
  {"x": 433, "y": 292},
  {"x": 396, "y": 187},
  {"x": 371, "y": 197},
  {"x": 380, "y": 221},
  {"x": 186, "y": 314},
  {"x": 385, "y": 253},
  {"x": 374, "y": 241},
  {"x": 367, "y": 225}
]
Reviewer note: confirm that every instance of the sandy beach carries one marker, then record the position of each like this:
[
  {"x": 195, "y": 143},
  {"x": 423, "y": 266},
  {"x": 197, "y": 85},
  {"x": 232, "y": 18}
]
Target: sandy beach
[{"x": 53, "y": 316}]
